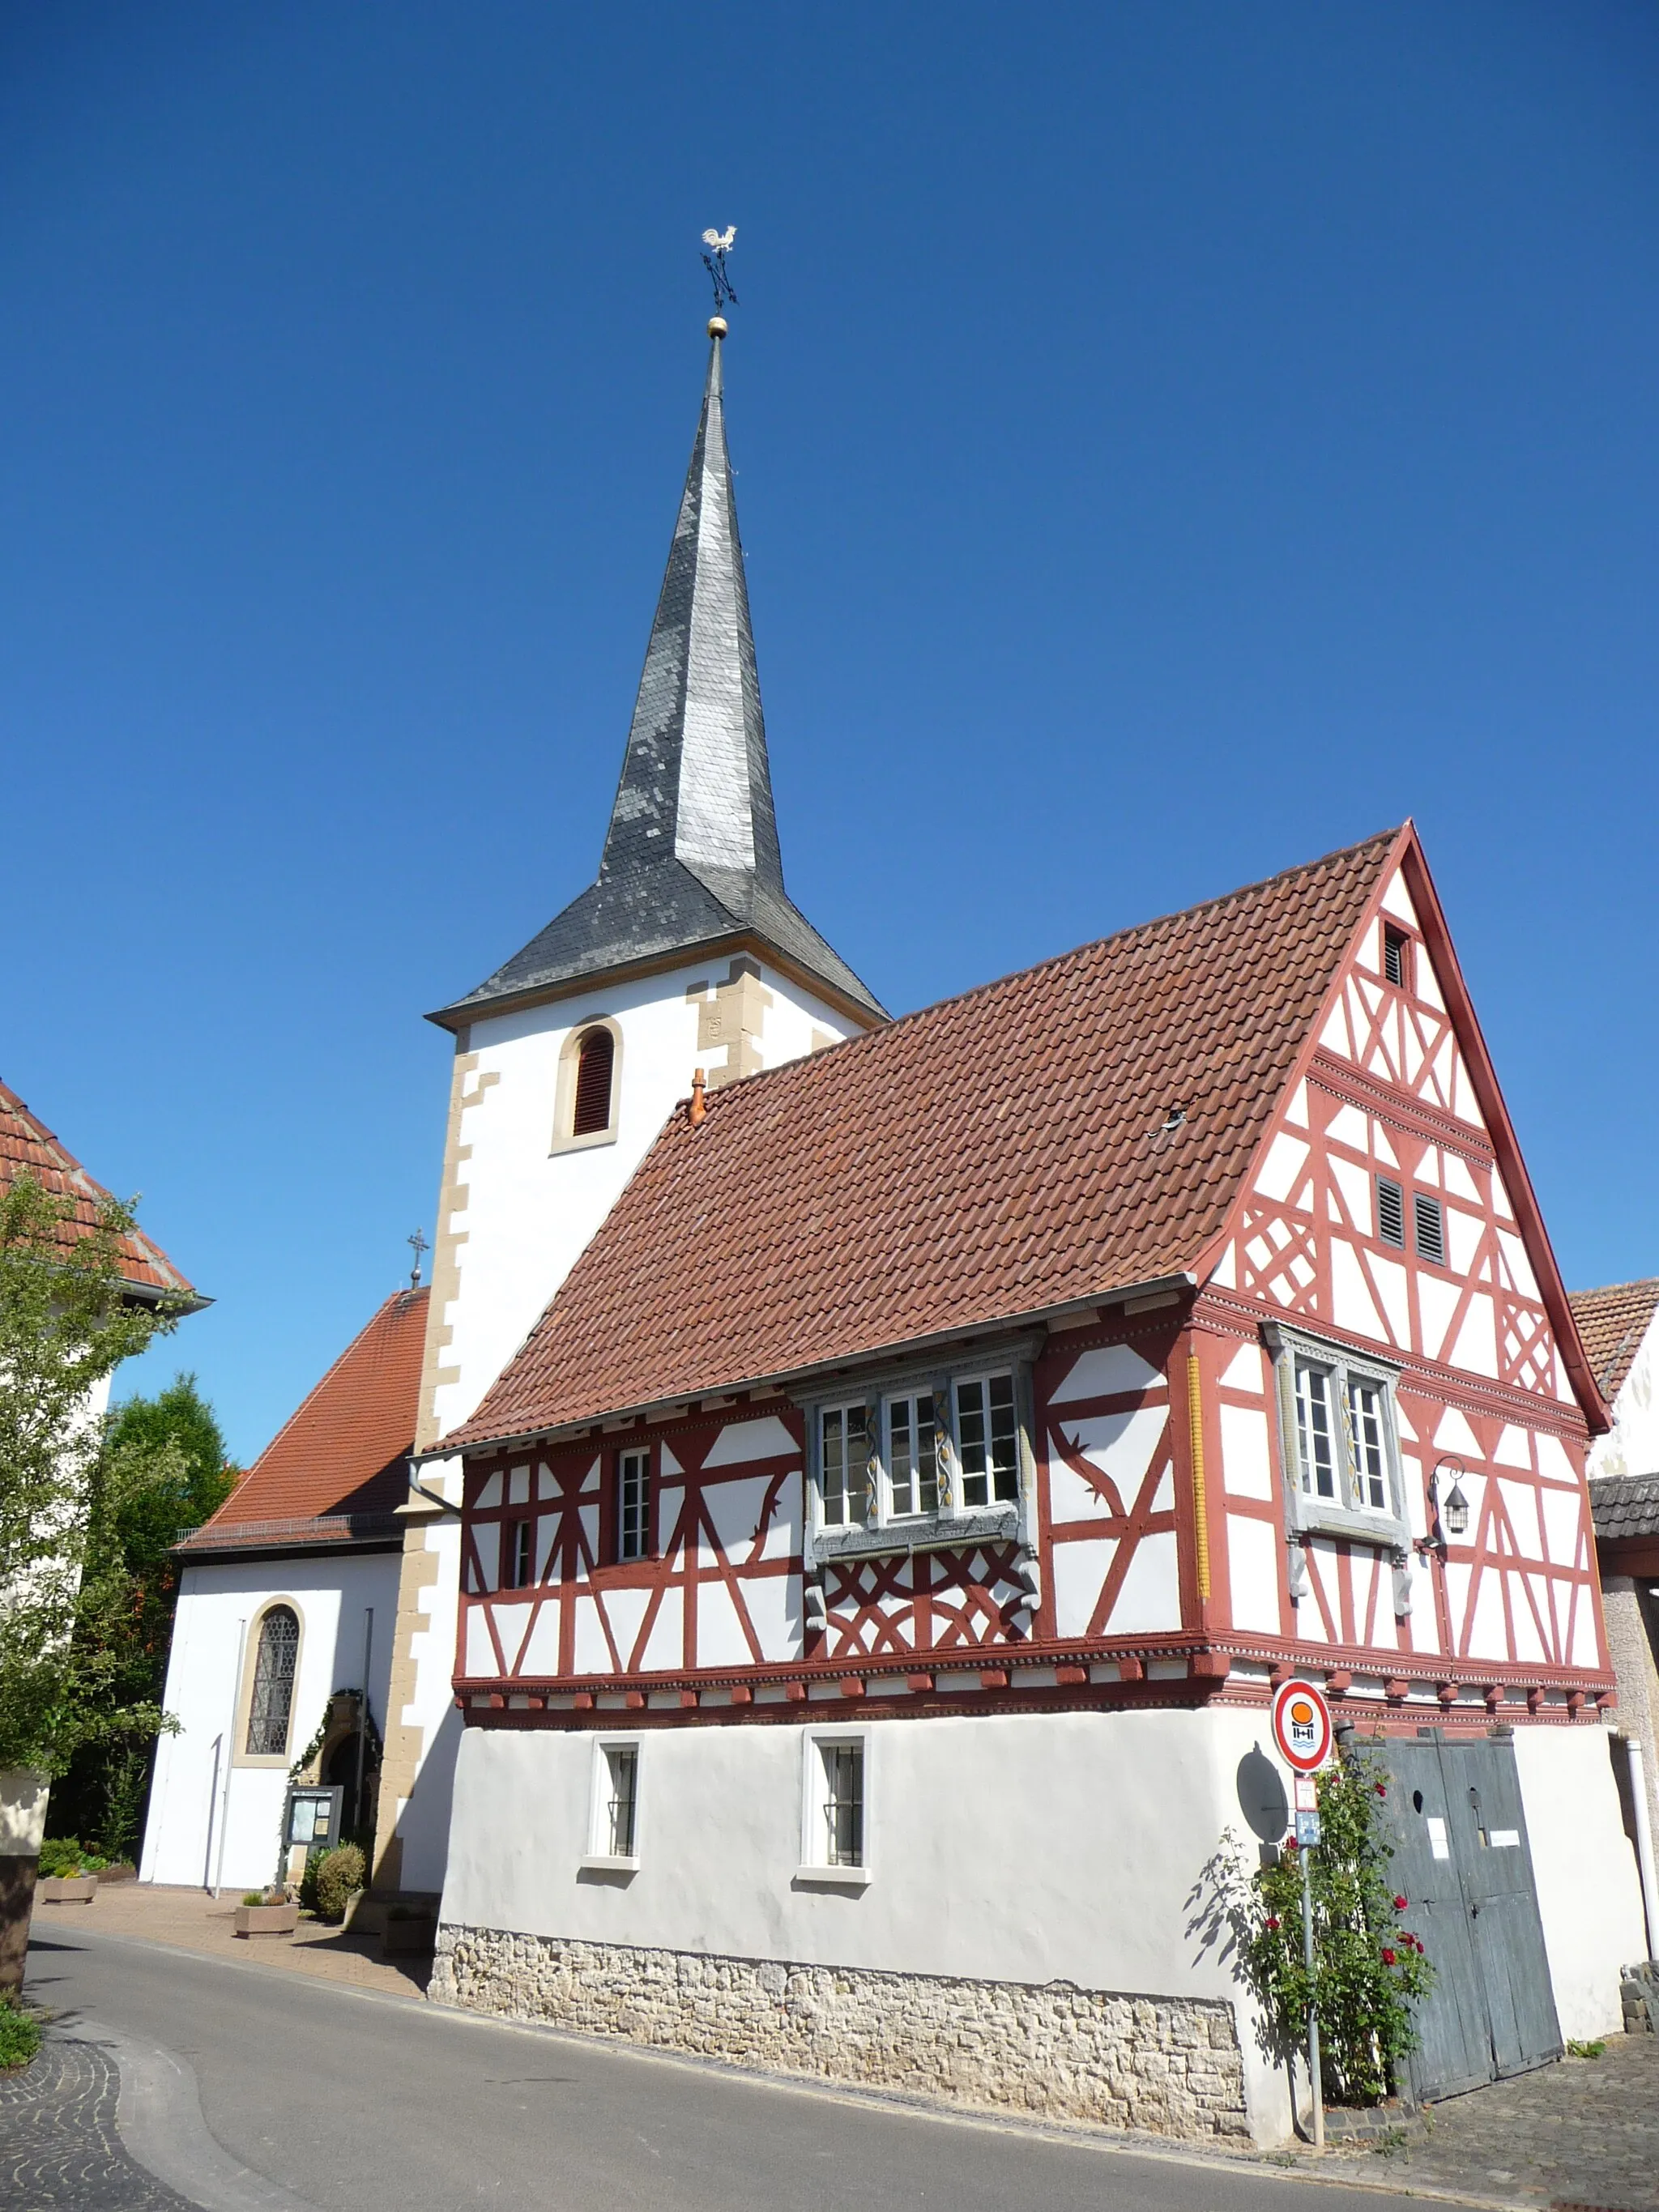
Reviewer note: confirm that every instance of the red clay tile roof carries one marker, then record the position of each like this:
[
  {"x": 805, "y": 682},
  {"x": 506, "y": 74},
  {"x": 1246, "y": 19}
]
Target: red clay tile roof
[
  {"x": 989, "y": 1158},
  {"x": 344, "y": 1451},
  {"x": 1613, "y": 1322},
  {"x": 28, "y": 1147}
]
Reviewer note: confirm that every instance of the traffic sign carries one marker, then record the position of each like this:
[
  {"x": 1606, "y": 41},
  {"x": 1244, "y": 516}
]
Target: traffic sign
[{"x": 1301, "y": 1726}]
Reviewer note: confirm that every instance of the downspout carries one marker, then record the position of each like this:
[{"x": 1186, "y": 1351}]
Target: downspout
[{"x": 1643, "y": 1842}]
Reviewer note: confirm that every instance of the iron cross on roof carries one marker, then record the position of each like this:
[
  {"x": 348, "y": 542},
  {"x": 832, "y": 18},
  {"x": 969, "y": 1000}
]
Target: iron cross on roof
[{"x": 418, "y": 1245}]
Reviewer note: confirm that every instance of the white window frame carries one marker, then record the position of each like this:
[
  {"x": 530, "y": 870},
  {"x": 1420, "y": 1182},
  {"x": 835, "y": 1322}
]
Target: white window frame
[
  {"x": 1347, "y": 1514},
  {"x": 814, "y": 1870},
  {"x": 641, "y": 1452},
  {"x": 951, "y": 1523},
  {"x": 600, "y": 1858}
]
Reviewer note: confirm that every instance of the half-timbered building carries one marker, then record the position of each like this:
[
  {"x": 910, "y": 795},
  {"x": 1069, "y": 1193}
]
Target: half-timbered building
[{"x": 876, "y": 1561}]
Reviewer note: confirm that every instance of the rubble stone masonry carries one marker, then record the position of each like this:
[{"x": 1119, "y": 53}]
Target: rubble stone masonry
[{"x": 1171, "y": 2065}]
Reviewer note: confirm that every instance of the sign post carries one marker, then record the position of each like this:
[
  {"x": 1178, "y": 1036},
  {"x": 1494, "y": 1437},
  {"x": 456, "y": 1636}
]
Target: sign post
[{"x": 1301, "y": 1731}]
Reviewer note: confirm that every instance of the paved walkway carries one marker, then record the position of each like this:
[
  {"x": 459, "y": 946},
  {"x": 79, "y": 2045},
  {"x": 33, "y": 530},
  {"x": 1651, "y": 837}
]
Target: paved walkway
[
  {"x": 190, "y": 1920},
  {"x": 1584, "y": 2133},
  {"x": 59, "y": 2151}
]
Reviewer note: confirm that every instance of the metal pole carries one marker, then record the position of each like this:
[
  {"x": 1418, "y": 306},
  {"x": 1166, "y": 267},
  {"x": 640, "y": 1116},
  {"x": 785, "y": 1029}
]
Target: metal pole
[
  {"x": 1315, "y": 2080},
  {"x": 363, "y": 1725},
  {"x": 230, "y": 1754},
  {"x": 1639, "y": 1792}
]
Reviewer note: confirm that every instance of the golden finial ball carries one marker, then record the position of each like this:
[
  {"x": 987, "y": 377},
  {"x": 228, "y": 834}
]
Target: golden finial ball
[{"x": 717, "y": 326}]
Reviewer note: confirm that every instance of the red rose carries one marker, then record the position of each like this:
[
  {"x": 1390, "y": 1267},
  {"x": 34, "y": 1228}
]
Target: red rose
[
  {"x": 1381, "y": 1790},
  {"x": 1401, "y": 1903},
  {"x": 1388, "y": 1958},
  {"x": 1272, "y": 1924},
  {"x": 1290, "y": 1842},
  {"x": 1413, "y": 1940}
]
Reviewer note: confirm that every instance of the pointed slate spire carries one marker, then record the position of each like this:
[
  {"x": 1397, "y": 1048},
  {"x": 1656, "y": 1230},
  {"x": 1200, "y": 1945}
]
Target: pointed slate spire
[{"x": 691, "y": 855}]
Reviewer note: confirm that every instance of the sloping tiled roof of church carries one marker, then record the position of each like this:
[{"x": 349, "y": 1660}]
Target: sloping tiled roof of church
[
  {"x": 691, "y": 859},
  {"x": 28, "y": 1147},
  {"x": 995, "y": 1156},
  {"x": 1613, "y": 1321},
  {"x": 341, "y": 1458}
]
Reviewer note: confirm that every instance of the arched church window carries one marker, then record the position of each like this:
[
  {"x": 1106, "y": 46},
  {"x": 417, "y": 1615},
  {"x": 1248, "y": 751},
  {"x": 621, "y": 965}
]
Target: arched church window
[
  {"x": 273, "y": 1700},
  {"x": 596, "y": 1060}
]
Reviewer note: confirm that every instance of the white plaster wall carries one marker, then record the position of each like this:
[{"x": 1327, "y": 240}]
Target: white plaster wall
[
  {"x": 1589, "y": 1896},
  {"x": 188, "y": 1797},
  {"x": 531, "y": 1211},
  {"x": 1631, "y": 1444},
  {"x": 1028, "y": 1848}
]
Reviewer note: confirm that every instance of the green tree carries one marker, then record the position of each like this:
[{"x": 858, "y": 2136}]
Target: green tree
[{"x": 164, "y": 1462}]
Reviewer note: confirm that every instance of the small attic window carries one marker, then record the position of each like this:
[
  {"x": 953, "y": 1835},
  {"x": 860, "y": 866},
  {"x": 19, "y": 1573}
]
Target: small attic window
[
  {"x": 1396, "y": 957},
  {"x": 596, "y": 1058}
]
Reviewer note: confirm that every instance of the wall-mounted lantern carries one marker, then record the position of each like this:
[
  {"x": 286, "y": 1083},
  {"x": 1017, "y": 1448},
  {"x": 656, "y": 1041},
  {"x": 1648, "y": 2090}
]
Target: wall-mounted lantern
[{"x": 1447, "y": 1516}]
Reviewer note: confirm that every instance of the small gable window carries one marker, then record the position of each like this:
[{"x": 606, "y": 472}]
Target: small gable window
[
  {"x": 633, "y": 1504},
  {"x": 272, "y": 1701},
  {"x": 1396, "y": 957},
  {"x": 596, "y": 1057},
  {"x": 1429, "y": 1222},
  {"x": 518, "y": 1553}
]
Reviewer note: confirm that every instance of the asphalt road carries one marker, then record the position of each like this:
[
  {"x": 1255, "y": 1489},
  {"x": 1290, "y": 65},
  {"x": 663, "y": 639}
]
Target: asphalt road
[{"x": 356, "y": 2102}]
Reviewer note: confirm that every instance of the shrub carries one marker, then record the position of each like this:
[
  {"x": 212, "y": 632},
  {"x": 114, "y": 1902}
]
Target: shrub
[
  {"x": 253, "y": 1897},
  {"x": 1370, "y": 1966},
  {"x": 339, "y": 1877},
  {"x": 62, "y": 1859},
  {"x": 20, "y": 2035}
]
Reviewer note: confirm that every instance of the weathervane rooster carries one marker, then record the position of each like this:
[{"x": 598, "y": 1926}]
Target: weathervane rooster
[{"x": 717, "y": 244}]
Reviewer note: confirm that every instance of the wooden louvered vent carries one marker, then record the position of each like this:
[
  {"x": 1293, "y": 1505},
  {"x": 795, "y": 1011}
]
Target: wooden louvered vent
[{"x": 595, "y": 1063}]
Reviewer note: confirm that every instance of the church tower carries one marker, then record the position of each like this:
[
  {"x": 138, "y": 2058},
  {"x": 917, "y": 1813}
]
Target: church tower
[{"x": 685, "y": 954}]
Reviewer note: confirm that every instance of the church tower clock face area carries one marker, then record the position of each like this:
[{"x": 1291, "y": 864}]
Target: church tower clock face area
[{"x": 685, "y": 956}]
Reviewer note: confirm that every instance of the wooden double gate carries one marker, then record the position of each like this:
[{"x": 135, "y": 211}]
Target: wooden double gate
[{"x": 1462, "y": 1859}]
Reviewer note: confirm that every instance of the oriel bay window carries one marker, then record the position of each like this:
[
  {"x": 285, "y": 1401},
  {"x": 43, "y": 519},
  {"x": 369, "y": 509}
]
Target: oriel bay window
[
  {"x": 1340, "y": 1435},
  {"x": 920, "y": 1461}
]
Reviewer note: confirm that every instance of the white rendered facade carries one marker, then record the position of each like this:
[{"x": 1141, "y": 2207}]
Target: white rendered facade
[{"x": 215, "y": 1813}]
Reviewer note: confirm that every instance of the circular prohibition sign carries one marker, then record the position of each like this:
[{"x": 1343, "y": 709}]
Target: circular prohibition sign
[{"x": 1301, "y": 1726}]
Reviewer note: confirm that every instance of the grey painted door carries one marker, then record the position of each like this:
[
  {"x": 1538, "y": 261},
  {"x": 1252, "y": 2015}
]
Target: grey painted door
[{"x": 1462, "y": 1858}]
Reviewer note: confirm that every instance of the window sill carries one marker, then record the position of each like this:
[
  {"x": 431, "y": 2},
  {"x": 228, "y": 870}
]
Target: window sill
[
  {"x": 845, "y": 1877},
  {"x": 597, "y": 1863},
  {"x": 927, "y": 1532},
  {"x": 1312, "y": 1517},
  {"x": 582, "y": 1143}
]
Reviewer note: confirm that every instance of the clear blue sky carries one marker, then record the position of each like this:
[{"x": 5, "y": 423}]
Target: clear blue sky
[{"x": 1173, "y": 441}]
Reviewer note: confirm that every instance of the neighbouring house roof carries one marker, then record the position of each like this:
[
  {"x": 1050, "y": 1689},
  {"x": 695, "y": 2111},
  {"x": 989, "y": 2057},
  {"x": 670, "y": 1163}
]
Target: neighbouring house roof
[
  {"x": 691, "y": 859},
  {"x": 1613, "y": 1321},
  {"x": 337, "y": 1468},
  {"x": 28, "y": 1147},
  {"x": 996, "y": 1156},
  {"x": 1625, "y": 1506}
]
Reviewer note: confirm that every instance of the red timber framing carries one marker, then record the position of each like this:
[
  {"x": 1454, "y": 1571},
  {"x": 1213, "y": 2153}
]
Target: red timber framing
[{"x": 1158, "y": 1559}]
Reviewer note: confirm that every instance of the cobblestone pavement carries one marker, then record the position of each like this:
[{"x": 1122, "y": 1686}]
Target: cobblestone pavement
[
  {"x": 1583, "y": 2133},
  {"x": 59, "y": 2151},
  {"x": 190, "y": 1920}
]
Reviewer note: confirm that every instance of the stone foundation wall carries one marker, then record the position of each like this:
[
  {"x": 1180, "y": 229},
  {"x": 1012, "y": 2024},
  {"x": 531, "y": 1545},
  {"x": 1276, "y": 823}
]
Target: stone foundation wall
[{"x": 1168, "y": 2065}]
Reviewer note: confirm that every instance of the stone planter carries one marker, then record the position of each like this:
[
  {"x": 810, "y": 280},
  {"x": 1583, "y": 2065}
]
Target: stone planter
[
  {"x": 410, "y": 1937},
  {"x": 66, "y": 1888},
  {"x": 267, "y": 1919}
]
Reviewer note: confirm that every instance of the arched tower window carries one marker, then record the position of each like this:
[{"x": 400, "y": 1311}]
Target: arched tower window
[
  {"x": 596, "y": 1060},
  {"x": 273, "y": 1700}
]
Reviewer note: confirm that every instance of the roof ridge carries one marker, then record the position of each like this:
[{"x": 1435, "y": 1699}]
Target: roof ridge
[
  {"x": 406, "y": 1290},
  {"x": 1381, "y": 837},
  {"x": 1606, "y": 1289}
]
